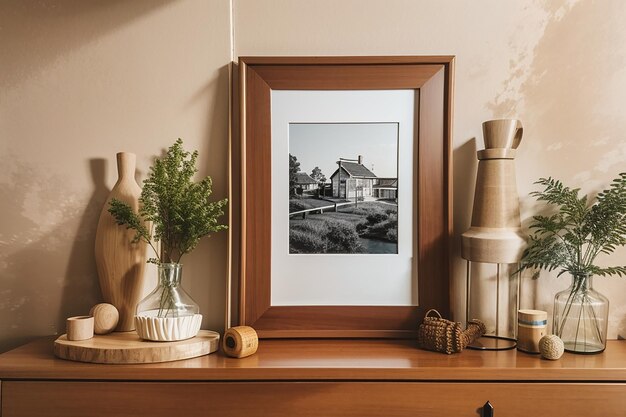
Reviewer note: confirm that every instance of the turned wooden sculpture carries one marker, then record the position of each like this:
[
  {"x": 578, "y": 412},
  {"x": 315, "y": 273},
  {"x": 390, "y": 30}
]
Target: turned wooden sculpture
[
  {"x": 121, "y": 263},
  {"x": 495, "y": 234}
]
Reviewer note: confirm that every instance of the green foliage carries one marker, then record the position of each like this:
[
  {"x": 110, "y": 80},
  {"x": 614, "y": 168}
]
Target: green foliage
[
  {"x": 571, "y": 238},
  {"x": 178, "y": 207},
  {"x": 125, "y": 216}
]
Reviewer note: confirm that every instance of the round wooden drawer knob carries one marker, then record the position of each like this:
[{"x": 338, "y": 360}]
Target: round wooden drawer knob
[
  {"x": 240, "y": 341},
  {"x": 79, "y": 327},
  {"x": 105, "y": 318}
]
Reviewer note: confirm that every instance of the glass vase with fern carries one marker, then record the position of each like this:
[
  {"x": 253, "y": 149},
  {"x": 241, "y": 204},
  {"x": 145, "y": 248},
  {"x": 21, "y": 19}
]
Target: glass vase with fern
[
  {"x": 175, "y": 212},
  {"x": 169, "y": 298},
  {"x": 569, "y": 239},
  {"x": 581, "y": 316}
]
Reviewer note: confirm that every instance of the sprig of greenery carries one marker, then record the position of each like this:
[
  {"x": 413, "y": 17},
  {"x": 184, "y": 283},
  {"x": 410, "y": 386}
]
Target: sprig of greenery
[
  {"x": 178, "y": 208},
  {"x": 125, "y": 216},
  {"x": 573, "y": 237}
]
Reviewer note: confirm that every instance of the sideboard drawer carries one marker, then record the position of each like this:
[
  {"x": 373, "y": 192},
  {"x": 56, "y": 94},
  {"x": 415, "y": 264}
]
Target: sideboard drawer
[{"x": 358, "y": 399}]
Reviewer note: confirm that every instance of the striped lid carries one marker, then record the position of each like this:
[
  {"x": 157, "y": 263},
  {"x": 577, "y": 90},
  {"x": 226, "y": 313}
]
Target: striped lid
[{"x": 532, "y": 317}]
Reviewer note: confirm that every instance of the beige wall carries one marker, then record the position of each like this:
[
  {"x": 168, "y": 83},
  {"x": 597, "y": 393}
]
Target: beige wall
[{"x": 80, "y": 81}]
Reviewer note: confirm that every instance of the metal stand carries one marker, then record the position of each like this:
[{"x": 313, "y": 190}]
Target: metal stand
[{"x": 493, "y": 342}]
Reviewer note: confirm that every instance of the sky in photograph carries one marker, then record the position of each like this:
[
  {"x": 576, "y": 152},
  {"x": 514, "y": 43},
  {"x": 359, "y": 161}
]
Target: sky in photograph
[{"x": 322, "y": 144}]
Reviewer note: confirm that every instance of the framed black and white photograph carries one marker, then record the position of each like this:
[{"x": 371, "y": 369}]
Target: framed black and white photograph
[
  {"x": 343, "y": 188},
  {"x": 342, "y": 173}
]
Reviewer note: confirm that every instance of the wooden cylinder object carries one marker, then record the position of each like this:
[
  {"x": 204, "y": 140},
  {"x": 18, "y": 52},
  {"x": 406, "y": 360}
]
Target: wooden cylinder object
[
  {"x": 105, "y": 318},
  {"x": 121, "y": 263},
  {"x": 240, "y": 341},
  {"x": 495, "y": 234},
  {"x": 79, "y": 327},
  {"x": 531, "y": 327}
]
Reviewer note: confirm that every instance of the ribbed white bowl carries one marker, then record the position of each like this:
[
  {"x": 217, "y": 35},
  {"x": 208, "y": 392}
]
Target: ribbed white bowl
[{"x": 168, "y": 329}]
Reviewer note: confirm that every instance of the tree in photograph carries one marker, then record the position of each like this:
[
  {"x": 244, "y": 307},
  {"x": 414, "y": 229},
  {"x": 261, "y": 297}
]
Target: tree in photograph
[
  {"x": 294, "y": 168},
  {"x": 317, "y": 175}
]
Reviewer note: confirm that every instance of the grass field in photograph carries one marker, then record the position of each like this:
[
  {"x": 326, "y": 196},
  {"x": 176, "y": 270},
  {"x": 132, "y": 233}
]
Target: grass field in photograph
[{"x": 368, "y": 227}]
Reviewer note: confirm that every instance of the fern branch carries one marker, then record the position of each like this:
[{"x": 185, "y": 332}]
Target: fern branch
[
  {"x": 572, "y": 238},
  {"x": 179, "y": 208}
]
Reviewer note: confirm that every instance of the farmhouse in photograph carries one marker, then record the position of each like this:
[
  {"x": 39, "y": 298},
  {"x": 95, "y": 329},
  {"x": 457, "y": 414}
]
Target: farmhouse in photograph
[
  {"x": 304, "y": 182},
  {"x": 386, "y": 188},
  {"x": 352, "y": 179}
]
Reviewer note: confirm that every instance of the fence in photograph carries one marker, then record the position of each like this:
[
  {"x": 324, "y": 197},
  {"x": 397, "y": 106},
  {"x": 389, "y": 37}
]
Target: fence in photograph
[{"x": 332, "y": 207}]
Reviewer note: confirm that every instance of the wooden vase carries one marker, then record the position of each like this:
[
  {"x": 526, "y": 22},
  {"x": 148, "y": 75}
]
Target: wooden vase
[
  {"x": 121, "y": 263},
  {"x": 495, "y": 235}
]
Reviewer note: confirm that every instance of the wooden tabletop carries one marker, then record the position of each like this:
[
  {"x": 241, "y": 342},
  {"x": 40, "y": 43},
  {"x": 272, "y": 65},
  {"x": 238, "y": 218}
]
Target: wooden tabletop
[{"x": 318, "y": 360}]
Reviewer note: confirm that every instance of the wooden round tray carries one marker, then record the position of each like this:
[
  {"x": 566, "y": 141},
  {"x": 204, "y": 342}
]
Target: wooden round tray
[{"x": 127, "y": 347}]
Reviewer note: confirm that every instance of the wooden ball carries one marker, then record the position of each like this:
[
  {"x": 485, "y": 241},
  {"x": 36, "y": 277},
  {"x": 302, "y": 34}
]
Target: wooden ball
[
  {"x": 105, "y": 318},
  {"x": 551, "y": 347}
]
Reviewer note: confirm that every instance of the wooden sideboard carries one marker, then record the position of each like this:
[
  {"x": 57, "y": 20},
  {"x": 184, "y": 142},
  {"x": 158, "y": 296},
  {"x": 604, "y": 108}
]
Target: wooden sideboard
[{"x": 318, "y": 378}]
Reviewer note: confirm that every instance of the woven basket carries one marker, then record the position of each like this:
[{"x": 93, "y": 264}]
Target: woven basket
[{"x": 441, "y": 335}]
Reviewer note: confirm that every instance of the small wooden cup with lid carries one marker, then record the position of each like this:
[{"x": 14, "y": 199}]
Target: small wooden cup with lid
[{"x": 531, "y": 327}]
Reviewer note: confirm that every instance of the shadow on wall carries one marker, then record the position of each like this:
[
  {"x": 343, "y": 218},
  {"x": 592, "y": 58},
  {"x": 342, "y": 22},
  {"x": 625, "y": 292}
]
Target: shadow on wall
[
  {"x": 47, "y": 236},
  {"x": 35, "y": 34},
  {"x": 569, "y": 92},
  {"x": 41, "y": 285},
  {"x": 464, "y": 177},
  {"x": 205, "y": 276},
  {"x": 81, "y": 289},
  {"x": 530, "y": 298},
  {"x": 465, "y": 166}
]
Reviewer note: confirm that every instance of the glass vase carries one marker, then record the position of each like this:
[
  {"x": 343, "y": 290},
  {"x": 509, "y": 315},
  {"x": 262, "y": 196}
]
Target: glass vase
[
  {"x": 168, "y": 313},
  {"x": 581, "y": 316}
]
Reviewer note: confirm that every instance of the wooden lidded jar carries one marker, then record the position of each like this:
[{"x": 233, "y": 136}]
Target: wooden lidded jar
[{"x": 531, "y": 327}]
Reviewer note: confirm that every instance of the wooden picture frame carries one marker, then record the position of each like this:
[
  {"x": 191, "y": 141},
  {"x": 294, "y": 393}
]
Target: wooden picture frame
[{"x": 251, "y": 184}]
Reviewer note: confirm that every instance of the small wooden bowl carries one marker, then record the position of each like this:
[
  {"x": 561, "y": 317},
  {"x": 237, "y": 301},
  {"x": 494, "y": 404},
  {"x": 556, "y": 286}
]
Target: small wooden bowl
[{"x": 79, "y": 327}]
